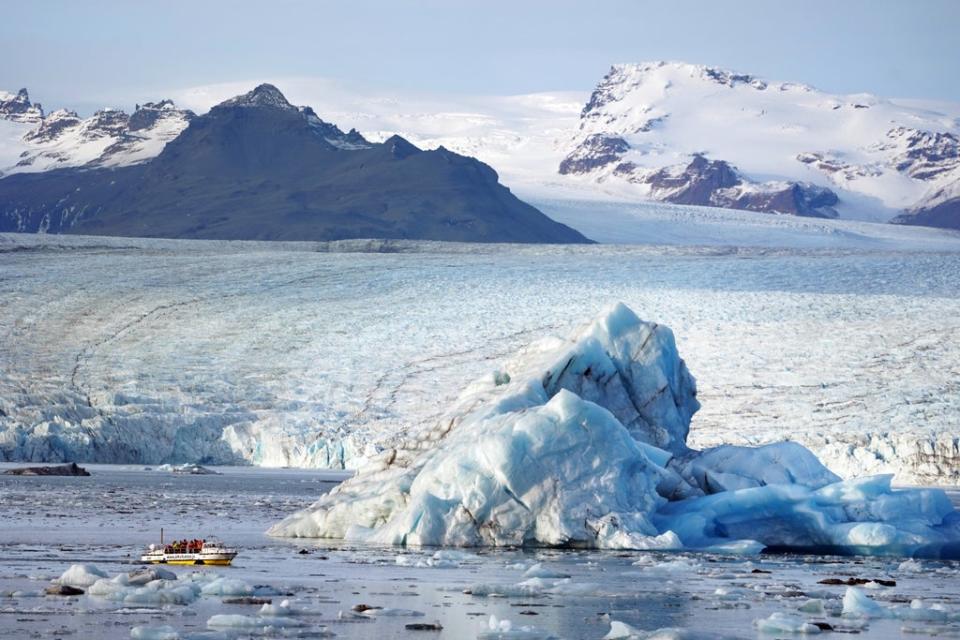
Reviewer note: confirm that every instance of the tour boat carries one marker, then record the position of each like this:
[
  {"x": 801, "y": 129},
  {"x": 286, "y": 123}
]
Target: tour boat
[{"x": 207, "y": 551}]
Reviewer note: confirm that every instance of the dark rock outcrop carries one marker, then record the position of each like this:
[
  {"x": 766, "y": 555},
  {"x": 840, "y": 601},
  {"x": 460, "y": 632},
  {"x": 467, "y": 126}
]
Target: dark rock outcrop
[
  {"x": 18, "y": 108},
  {"x": 925, "y": 154},
  {"x": 594, "y": 152},
  {"x": 697, "y": 183},
  {"x": 63, "y": 590},
  {"x": 53, "y": 126},
  {"x": 716, "y": 183},
  {"x": 796, "y": 198},
  {"x": 945, "y": 215},
  {"x": 257, "y": 168},
  {"x": 57, "y": 470}
]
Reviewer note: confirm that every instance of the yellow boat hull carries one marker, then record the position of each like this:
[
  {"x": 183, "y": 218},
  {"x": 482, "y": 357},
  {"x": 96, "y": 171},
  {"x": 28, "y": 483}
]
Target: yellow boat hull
[{"x": 219, "y": 563}]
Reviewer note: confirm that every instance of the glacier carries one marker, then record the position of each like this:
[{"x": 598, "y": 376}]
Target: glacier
[
  {"x": 326, "y": 354},
  {"x": 581, "y": 443}
]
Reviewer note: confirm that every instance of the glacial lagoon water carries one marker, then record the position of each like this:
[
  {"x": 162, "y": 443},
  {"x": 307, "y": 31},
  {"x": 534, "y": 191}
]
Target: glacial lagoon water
[{"x": 51, "y": 523}]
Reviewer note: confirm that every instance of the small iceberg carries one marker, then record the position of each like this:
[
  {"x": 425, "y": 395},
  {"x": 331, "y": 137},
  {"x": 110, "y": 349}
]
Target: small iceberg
[{"x": 188, "y": 469}]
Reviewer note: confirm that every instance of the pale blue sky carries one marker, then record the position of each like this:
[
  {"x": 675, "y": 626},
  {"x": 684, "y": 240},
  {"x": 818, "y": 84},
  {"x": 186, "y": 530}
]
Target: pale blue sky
[{"x": 81, "y": 54}]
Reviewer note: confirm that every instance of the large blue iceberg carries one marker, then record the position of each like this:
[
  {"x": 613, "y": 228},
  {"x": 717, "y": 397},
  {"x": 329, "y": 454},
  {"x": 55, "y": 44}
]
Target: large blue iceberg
[{"x": 582, "y": 442}]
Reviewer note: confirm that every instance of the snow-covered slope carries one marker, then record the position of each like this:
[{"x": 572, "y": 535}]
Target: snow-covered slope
[
  {"x": 32, "y": 141},
  {"x": 877, "y": 155}
]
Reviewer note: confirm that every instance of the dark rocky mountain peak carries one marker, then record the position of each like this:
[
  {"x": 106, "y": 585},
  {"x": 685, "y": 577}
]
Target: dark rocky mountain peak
[
  {"x": 400, "y": 147},
  {"x": 332, "y": 133},
  {"x": 149, "y": 113},
  {"x": 264, "y": 95},
  {"x": 19, "y": 108},
  {"x": 595, "y": 151}
]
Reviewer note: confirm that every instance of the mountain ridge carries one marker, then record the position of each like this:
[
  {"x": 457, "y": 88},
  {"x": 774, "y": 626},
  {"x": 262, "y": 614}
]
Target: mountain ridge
[
  {"x": 257, "y": 167},
  {"x": 787, "y": 147}
]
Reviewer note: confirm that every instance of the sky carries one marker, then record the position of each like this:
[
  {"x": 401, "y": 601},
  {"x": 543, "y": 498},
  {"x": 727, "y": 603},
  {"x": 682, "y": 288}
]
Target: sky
[{"x": 83, "y": 55}]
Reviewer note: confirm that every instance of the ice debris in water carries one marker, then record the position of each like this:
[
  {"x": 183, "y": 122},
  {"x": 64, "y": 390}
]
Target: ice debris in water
[
  {"x": 157, "y": 592},
  {"x": 856, "y": 604},
  {"x": 444, "y": 558},
  {"x": 504, "y": 630},
  {"x": 227, "y": 587},
  {"x": 582, "y": 442},
  {"x": 785, "y": 623},
  {"x": 164, "y": 632},
  {"x": 266, "y": 624},
  {"x": 623, "y": 631}
]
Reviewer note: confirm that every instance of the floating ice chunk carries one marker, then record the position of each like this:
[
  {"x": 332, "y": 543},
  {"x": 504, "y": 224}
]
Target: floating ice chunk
[
  {"x": 865, "y": 514},
  {"x": 736, "y": 547},
  {"x": 539, "y": 571},
  {"x": 227, "y": 587},
  {"x": 443, "y": 559},
  {"x": 728, "y": 468},
  {"x": 504, "y": 630},
  {"x": 266, "y": 624},
  {"x": 452, "y": 558},
  {"x": 785, "y": 623},
  {"x": 81, "y": 575},
  {"x": 282, "y": 609},
  {"x": 187, "y": 469},
  {"x": 527, "y": 588},
  {"x": 141, "y": 577},
  {"x": 910, "y": 566},
  {"x": 813, "y": 606},
  {"x": 157, "y": 592},
  {"x": 624, "y": 631},
  {"x": 165, "y": 632},
  {"x": 389, "y": 612},
  {"x": 620, "y": 538},
  {"x": 733, "y": 593},
  {"x": 676, "y": 564},
  {"x": 857, "y": 604}
]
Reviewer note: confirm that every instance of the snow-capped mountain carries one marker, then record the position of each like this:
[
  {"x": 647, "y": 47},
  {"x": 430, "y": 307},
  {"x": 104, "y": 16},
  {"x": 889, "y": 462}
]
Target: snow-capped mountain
[
  {"x": 662, "y": 131},
  {"x": 34, "y": 141},
  {"x": 677, "y": 132},
  {"x": 699, "y": 135}
]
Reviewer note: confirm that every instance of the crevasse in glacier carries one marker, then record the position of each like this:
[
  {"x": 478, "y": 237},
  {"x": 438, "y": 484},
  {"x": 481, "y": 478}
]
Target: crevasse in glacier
[{"x": 581, "y": 442}]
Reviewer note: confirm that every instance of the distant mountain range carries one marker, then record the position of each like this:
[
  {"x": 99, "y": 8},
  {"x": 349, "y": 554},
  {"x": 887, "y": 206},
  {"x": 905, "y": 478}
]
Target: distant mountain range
[
  {"x": 677, "y": 132},
  {"x": 253, "y": 167},
  {"x": 661, "y": 131}
]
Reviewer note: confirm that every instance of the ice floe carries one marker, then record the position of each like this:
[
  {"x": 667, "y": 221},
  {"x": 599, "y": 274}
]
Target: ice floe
[
  {"x": 857, "y": 604},
  {"x": 163, "y": 632},
  {"x": 623, "y": 631},
  {"x": 505, "y": 630},
  {"x": 81, "y": 575},
  {"x": 779, "y": 623},
  {"x": 582, "y": 443}
]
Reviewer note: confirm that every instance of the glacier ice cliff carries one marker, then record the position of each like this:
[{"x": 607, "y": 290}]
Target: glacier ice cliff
[{"x": 581, "y": 442}]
